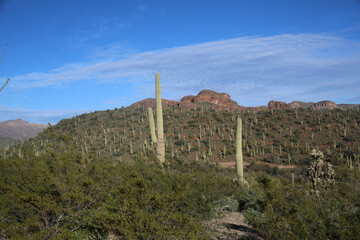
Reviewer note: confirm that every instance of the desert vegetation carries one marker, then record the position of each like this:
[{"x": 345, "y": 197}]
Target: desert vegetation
[{"x": 97, "y": 175}]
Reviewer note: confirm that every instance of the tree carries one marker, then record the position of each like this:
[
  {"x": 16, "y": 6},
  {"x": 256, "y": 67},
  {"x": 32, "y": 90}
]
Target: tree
[{"x": 7, "y": 81}]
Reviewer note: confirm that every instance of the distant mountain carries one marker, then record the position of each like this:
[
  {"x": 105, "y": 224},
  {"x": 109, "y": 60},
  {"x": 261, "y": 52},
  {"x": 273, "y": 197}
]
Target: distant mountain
[{"x": 13, "y": 131}]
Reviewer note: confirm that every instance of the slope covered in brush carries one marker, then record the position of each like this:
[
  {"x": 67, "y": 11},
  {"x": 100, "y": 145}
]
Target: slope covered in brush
[
  {"x": 96, "y": 176},
  {"x": 280, "y": 137}
]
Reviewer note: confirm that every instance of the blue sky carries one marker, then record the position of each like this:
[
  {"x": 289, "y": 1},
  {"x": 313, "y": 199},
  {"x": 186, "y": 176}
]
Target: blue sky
[{"x": 69, "y": 57}]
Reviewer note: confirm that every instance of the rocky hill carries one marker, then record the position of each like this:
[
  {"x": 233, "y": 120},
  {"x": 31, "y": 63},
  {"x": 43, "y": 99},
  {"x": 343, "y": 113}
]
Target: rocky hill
[
  {"x": 205, "y": 98},
  {"x": 218, "y": 101},
  {"x": 297, "y": 104},
  {"x": 96, "y": 176},
  {"x": 206, "y": 134},
  {"x": 222, "y": 101}
]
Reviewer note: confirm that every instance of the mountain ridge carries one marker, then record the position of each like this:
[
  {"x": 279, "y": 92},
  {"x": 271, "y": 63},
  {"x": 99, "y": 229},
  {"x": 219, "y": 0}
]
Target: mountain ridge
[
  {"x": 20, "y": 129},
  {"x": 222, "y": 101}
]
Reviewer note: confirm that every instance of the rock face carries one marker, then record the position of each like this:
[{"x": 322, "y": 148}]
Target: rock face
[
  {"x": 151, "y": 102},
  {"x": 325, "y": 105},
  {"x": 219, "y": 101},
  {"x": 222, "y": 101},
  {"x": 20, "y": 129},
  {"x": 278, "y": 105},
  {"x": 187, "y": 99},
  {"x": 298, "y": 104}
]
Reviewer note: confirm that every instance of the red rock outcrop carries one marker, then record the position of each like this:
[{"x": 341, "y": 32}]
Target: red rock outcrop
[
  {"x": 317, "y": 106},
  {"x": 222, "y": 101},
  {"x": 219, "y": 101},
  {"x": 325, "y": 105},
  {"x": 298, "y": 104},
  {"x": 187, "y": 99},
  {"x": 278, "y": 105},
  {"x": 151, "y": 102},
  {"x": 295, "y": 104}
]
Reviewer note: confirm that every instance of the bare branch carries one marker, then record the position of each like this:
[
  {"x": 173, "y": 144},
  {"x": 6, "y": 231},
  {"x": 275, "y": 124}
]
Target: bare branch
[
  {"x": 4, "y": 53},
  {"x": 5, "y": 84}
]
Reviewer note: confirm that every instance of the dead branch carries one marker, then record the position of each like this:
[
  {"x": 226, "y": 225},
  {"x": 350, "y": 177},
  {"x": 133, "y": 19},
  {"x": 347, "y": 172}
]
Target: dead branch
[
  {"x": 4, "y": 53},
  {"x": 4, "y": 84}
]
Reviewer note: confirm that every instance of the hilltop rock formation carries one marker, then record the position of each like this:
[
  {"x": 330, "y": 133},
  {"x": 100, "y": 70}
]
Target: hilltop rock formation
[
  {"x": 298, "y": 104},
  {"x": 278, "y": 105},
  {"x": 151, "y": 102},
  {"x": 218, "y": 101},
  {"x": 325, "y": 105},
  {"x": 222, "y": 101}
]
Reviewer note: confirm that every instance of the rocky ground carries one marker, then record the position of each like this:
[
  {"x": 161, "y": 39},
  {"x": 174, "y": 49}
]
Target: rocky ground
[{"x": 231, "y": 225}]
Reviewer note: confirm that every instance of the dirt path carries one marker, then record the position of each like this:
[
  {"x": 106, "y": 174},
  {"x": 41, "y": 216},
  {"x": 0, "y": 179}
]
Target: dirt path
[
  {"x": 246, "y": 164},
  {"x": 231, "y": 225}
]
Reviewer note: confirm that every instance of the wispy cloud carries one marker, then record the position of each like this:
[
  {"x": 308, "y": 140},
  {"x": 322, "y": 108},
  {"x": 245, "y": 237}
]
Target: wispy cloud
[
  {"x": 141, "y": 8},
  {"x": 37, "y": 116},
  {"x": 253, "y": 70}
]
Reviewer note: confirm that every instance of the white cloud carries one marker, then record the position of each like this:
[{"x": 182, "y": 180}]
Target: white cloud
[{"x": 253, "y": 70}]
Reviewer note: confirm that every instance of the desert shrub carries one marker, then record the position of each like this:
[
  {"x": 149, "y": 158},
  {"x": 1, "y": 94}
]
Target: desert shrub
[
  {"x": 291, "y": 213},
  {"x": 254, "y": 217},
  {"x": 228, "y": 203},
  {"x": 64, "y": 196}
]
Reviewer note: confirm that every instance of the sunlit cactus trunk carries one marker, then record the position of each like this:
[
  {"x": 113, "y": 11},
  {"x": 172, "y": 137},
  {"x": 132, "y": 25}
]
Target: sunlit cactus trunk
[
  {"x": 152, "y": 125},
  {"x": 239, "y": 156},
  {"x": 160, "y": 146}
]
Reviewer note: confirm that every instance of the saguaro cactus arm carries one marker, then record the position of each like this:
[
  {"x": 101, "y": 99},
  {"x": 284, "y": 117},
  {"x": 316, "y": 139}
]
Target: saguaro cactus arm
[{"x": 152, "y": 125}]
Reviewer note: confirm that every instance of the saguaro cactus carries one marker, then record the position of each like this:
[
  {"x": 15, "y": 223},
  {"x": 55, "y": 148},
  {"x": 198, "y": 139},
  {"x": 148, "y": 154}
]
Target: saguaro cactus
[
  {"x": 160, "y": 146},
  {"x": 152, "y": 125},
  {"x": 239, "y": 156}
]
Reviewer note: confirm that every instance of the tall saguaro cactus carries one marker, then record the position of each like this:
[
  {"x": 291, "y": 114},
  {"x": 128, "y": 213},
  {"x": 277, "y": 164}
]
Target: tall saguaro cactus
[
  {"x": 152, "y": 125},
  {"x": 160, "y": 146},
  {"x": 239, "y": 156}
]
